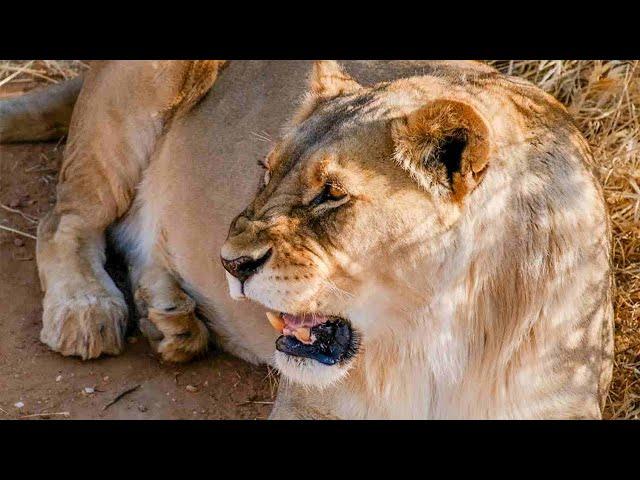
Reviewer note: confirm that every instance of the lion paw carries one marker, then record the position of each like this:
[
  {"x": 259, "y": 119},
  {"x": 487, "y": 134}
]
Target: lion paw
[
  {"x": 84, "y": 324},
  {"x": 176, "y": 333}
]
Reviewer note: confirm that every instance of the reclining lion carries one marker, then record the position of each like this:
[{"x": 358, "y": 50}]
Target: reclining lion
[{"x": 427, "y": 240}]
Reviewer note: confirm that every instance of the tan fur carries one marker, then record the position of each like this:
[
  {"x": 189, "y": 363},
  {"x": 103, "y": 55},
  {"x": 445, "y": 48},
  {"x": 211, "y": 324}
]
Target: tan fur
[
  {"x": 486, "y": 297},
  {"x": 120, "y": 114}
]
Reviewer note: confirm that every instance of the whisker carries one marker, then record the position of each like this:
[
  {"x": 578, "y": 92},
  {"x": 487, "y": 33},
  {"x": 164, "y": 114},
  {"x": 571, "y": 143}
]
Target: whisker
[
  {"x": 262, "y": 137},
  {"x": 335, "y": 289}
]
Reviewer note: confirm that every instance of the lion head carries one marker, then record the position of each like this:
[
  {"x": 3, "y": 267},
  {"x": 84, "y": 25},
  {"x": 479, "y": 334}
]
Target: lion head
[{"x": 385, "y": 209}]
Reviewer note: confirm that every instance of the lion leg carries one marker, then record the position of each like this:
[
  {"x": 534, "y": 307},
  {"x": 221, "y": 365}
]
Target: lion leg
[
  {"x": 120, "y": 113},
  {"x": 167, "y": 316},
  {"x": 84, "y": 313}
]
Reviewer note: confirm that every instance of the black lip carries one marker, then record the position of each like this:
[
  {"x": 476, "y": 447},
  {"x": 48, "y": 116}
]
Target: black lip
[{"x": 335, "y": 342}]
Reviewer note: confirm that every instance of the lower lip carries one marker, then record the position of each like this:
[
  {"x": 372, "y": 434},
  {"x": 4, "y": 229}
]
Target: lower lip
[{"x": 334, "y": 342}]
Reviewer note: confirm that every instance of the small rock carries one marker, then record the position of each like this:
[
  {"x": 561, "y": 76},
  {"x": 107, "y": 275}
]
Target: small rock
[
  {"x": 18, "y": 242},
  {"x": 58, "y": 378},
  {"x": 191, "y": 388},
  {"x": 19, "y": 404},
  {"x": 105, "y": 379},
  {"x": 89, "y": 390},
  {"x": 142, "y": 408}
]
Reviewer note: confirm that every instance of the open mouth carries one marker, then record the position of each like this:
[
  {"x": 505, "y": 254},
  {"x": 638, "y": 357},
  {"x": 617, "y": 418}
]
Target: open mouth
[{"x": 326, "y": 339}]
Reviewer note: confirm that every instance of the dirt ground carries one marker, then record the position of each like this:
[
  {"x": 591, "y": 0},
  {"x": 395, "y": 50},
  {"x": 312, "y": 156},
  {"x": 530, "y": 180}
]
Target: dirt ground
[{"x": 51, "y": 386}]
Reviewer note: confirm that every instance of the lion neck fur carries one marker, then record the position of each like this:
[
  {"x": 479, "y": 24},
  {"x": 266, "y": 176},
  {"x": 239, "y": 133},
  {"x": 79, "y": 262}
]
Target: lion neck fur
[{"x": 463, "y": 325}]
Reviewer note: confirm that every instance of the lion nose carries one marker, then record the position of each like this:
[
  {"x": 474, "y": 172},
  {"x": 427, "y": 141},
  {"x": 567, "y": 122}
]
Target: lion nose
[{"x": 243, "y": 267}]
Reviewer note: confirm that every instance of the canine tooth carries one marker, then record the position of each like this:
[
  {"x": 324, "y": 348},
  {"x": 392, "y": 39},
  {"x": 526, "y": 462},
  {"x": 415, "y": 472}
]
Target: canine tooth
[
  {"x": 275, "y": 321},
  {"x": 303, "y": 334}
]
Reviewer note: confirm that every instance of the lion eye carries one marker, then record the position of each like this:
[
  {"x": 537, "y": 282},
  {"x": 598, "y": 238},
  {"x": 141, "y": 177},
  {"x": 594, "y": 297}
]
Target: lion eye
[{"x": 330, "y": 193}]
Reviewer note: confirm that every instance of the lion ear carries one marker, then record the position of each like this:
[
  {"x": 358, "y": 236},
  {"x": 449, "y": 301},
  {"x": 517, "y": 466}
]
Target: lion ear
[
  {"x": 329, "y": 80},
  {"x": 444, "y": 136}
]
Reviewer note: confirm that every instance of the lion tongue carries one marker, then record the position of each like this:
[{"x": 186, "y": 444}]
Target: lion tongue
[
  {"x": 306, "y": 320},
  {"x": 298, "y": 326}
]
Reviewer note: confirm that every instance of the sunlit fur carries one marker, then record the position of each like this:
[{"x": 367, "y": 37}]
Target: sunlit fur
[
  {"x": 477, "y": 293},
  {"x": 486, "y": 295}
]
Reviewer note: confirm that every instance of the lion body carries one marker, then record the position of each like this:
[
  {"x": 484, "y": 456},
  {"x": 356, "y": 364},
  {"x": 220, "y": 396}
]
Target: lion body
[{"x": 508, "y": 315}]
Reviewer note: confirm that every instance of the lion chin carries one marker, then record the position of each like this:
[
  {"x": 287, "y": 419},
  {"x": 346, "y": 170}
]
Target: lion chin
[{"x": 310, "y": 373}]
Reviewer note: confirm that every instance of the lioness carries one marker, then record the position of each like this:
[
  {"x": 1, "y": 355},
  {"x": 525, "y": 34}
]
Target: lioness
[{"x": 426, "y": 236}]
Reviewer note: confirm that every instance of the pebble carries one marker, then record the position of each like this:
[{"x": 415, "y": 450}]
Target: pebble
[
  {"x": 19, "y": 404},
  {"x": 58, "y": 378},
  {"x": 142, "y": 408},
  {"x": 89, "y": 390},
  {"x": 191, "y": 388}
]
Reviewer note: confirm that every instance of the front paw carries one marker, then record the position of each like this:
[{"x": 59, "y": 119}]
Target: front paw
[
  {"x": 176, "y": 333},
  {"x": 86, "y": 324}
]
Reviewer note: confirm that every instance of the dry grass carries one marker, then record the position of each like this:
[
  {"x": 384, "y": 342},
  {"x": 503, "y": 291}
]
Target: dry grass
[
  {"x": 604, "y": 99},
  {"x": 38, "y": 71}
]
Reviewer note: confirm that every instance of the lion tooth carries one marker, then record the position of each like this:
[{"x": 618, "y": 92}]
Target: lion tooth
[
  {"x": 275, "y": 321},
  {"x": 303, "y": 334}
]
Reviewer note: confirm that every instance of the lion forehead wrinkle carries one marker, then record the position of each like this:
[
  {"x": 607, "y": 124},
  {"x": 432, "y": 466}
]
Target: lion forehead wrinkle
[{"x": 327, "y": 124}]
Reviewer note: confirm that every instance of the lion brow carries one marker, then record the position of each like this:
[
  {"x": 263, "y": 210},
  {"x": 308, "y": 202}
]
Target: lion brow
[{"x": 325, "y": 126}]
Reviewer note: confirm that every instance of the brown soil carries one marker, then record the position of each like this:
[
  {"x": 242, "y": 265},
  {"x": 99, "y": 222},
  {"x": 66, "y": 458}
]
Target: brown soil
[{"x": 215, "y": 387}]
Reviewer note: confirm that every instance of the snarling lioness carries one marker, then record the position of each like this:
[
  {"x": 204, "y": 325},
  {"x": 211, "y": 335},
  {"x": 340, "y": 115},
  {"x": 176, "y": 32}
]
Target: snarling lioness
[{"x": 426, "y": 237}]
